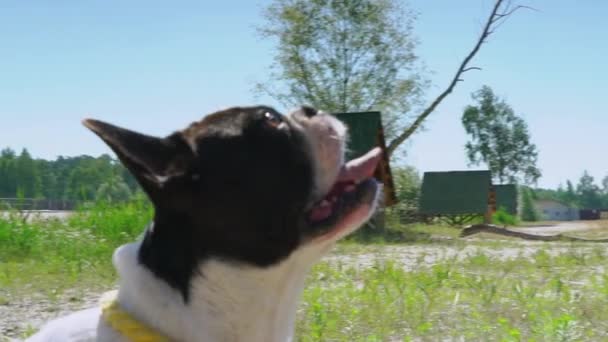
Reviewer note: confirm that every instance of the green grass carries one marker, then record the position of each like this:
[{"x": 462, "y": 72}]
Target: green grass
[
  {"x": 53, "y": 255},
  {"x": 543, "y": 298},
  {"x": 547, "y": 295},
  {"x": 404, "y": 233}
]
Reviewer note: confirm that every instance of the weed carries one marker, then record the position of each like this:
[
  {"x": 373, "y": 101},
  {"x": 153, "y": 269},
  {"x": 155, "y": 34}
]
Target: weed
[
  {"x": 503, "y": 218},
  {"x": 554, "y": 294}
]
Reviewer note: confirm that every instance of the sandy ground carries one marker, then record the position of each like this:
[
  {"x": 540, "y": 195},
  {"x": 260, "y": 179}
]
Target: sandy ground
[
  {"x": 42, "y": 214},
  {"x": 21, "y": 314},
  {"x": 417, "y": 256},
  {"x": 563, "y": 227}
]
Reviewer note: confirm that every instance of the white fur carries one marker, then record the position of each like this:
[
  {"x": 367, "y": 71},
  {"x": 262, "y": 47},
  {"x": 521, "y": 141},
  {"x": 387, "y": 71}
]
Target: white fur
[
  {"x": 327, "y": 138},
  {"x": 228, "y": 301}
]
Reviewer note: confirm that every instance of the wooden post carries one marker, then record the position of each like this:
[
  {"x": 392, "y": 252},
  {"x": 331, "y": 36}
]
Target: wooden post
[{"x": 491, "y": 205}]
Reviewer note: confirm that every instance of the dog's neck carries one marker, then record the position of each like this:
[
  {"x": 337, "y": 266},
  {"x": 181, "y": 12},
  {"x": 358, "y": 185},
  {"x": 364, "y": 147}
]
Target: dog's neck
[{"x": 228, "y": 302}]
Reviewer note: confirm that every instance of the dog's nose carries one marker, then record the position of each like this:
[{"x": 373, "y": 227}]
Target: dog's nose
[{"x": 309, "y": 111}]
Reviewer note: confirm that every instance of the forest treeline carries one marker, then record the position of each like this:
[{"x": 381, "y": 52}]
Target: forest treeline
[
  {"x": 86, "y": 178},
  {"x": 81, "y": 178}
]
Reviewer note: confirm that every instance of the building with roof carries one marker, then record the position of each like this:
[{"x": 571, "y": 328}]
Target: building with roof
[
  {"x": 507, "y": 198},
  {"x": 590, "y": 214},
  {"x": 458, "y": 196},
  {"x": 366, "y": 132},
  {"x": 552, "y": 210}
]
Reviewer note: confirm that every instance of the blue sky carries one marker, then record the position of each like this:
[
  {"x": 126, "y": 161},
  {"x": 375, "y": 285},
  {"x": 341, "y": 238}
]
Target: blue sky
[{"x": 157, "y": 66}]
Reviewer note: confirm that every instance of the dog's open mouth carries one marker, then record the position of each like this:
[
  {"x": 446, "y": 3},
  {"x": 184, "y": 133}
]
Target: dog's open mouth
[{"x": 354, "y": 187}]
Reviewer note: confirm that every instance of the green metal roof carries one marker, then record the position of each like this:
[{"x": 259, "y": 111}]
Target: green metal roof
[
  {"x": 506, "y": 197},
  {"x": 455, "y": 192},
  {"x": 362, "y": 130}
]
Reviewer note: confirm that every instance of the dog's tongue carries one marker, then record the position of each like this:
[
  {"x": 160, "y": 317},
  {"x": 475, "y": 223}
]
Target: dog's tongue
[
  {"x": 361, "y": 168},
  {"x": 351, "y": 173},
  {"x": 320, "y": 213}
]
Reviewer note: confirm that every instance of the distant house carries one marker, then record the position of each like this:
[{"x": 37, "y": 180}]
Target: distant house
[
  {"x": 590, "y": 214},
  {"x": 366, "y": 132},
  {"x": 458, "y": 196},
  {"x": 552, "y": 210}
]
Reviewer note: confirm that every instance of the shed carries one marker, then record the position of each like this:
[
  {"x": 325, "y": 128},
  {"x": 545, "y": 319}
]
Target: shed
[
  {"x": 454, "y": 193},
  {"x": 366, "y": 132},
  {"x": 556, "y": 211},
  {"x": 507, "y": 198},
  {"x": 590, "y": 214}
]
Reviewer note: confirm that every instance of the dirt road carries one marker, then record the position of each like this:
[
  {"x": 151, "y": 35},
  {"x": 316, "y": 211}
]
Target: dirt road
[
  {"x": 42, "y": 214},
  {"x": 563, "y": 227}
]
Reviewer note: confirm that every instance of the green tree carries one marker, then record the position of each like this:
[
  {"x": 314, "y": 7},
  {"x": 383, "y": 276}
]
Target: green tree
[
  {"x": 27, "y": 178},
  {"x": 344, "y": 56},
  {"x": 357, "y": 55},
  {"x": 407, "y": 185},
  {"x": 8, "y": 173},
  {"x": 86, "y": 178},
  {"x": 550, "y": 194},
  {"x": 75, "y": 178},
  {"x": 588, "y": 192},
  {"x": 605, "y": 192},
  {"x": 113, "y": 190},
  {"x": 528, "y": 211},
  {"x": 500, "y": 139},
  {"x": 407, "y": 190},
  {"x": 560, "y": 193},
  {"x": 48, "y": 179},
  {"x": 570, "y": 195}
]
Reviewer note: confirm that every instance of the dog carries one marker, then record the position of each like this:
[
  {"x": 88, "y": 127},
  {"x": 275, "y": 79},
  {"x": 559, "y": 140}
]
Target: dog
[{"x": 245, "y": 202}]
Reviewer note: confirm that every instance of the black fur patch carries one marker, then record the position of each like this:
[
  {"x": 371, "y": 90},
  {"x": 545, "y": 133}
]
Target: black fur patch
[{"x": 236, "y": 188}]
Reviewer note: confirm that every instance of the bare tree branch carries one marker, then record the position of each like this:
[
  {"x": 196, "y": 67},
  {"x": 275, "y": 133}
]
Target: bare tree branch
[
  {"x": 510, "y": 11},
  {"x": 470, "y": 68},
  {"x": 500, "y": 12}
]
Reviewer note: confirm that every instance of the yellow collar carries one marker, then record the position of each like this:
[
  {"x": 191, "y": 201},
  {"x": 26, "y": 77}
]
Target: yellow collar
[{"x": 124, "y": 323}]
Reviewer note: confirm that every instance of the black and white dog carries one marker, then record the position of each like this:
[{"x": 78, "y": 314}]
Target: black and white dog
[{"x": 246, "y": 201}]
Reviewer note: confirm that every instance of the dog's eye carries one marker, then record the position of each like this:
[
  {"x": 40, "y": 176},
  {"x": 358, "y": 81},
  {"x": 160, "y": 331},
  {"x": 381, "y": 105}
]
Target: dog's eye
[{"x": 273, "y": 119}]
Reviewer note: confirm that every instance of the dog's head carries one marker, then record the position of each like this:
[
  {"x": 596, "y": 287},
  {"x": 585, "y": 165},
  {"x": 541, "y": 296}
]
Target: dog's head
[{"x": 246, "y": 185}]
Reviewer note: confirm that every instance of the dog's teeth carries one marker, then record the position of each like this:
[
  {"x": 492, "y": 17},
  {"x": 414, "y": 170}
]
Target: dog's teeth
[
  {"x": 350, "y": 188},
  {"x": 324, "y": 203}
]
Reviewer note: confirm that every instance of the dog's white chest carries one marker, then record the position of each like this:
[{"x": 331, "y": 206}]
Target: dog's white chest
[{"x": 80, "y": 326}]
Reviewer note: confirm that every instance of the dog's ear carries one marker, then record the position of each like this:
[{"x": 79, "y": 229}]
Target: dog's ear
[{"x": 150, "y": 159}]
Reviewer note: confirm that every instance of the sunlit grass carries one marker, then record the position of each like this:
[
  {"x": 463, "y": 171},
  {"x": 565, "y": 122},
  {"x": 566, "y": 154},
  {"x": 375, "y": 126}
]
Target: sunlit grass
[
  {"x": 412, "y": 287},
  {"x": 53, "y": 254},
  {"x": 480, "y": 298}
]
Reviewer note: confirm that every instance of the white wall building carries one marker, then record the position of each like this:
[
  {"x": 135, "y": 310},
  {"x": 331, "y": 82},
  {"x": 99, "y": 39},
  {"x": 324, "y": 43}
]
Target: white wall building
[{"x": 556, "y": 211}]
